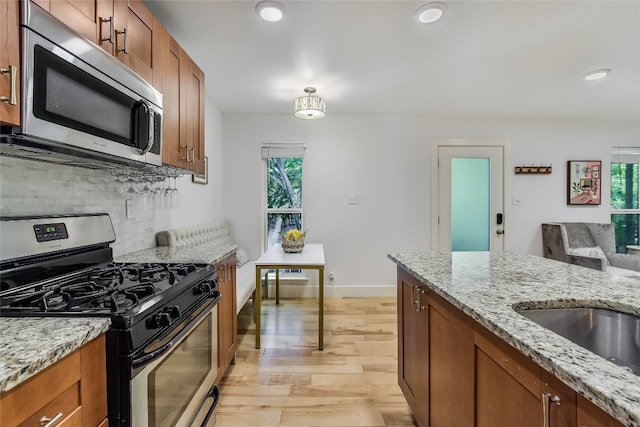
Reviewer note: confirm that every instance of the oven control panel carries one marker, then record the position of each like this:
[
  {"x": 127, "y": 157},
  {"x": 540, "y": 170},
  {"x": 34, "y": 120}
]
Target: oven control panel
[{"x": 49, "y": 232}]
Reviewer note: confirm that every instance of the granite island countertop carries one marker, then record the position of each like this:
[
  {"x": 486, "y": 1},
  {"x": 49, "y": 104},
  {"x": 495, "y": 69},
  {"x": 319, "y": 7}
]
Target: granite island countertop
[
  {"x": 487, "y": 286},
  {"x": 29, "y": 345},
  {"x": 205, "y": 253}
]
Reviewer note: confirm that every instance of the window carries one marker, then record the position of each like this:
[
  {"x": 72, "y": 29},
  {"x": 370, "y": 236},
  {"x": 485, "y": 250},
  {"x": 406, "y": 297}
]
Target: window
[
  {"x": 284, "y": 190},
  {"x": 625, "y": 210}
]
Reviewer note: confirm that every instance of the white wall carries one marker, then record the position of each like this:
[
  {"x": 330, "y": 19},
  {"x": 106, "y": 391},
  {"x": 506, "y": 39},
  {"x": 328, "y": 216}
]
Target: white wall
[
  {"x": 34, "y": 188},
  {"x": 385, "y": 161}
]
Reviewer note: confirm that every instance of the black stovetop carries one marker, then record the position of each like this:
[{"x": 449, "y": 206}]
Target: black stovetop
[{"x": 114, "y": 288}]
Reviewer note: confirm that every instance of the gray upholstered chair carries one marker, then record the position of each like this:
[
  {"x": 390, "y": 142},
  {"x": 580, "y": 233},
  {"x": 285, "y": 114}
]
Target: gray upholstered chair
[{"x": 587, "y": 244}]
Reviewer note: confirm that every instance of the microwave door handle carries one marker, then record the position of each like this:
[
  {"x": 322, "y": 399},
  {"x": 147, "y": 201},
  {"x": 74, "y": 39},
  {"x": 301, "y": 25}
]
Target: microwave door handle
[{"x": 142, "y": 119}]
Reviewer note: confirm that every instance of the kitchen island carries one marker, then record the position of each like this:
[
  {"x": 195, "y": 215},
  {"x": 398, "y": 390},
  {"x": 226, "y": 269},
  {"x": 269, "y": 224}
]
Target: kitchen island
[{"x": 486, "y": 287}]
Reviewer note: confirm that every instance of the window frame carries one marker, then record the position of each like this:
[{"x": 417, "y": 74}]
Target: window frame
[
  {"x": 624, "y": 155},
  {"x": 280, "y": 150}
]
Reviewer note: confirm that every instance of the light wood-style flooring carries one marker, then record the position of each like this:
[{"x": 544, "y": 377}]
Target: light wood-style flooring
[{"x": 289, "y": 382}]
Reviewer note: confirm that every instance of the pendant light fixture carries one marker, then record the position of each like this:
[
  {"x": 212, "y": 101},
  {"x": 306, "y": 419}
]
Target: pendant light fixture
[{"x": 309, "y": 106}]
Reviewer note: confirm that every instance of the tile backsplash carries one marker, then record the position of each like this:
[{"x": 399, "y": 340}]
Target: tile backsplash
[{"x": 35, "y": 188}]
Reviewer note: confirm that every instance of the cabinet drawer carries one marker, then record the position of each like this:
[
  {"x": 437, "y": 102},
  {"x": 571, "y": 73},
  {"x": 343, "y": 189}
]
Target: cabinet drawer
[
  {"x": 27, "y": 399},
  {"x": 67, "y": 404}
]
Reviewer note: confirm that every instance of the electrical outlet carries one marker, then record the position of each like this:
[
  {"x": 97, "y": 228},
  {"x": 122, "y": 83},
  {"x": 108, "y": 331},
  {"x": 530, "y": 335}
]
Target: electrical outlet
[
  {"x": 129, "y": 208},
  {"x": 332, "y": 277},
  {"x": 515, "y": 200},
  {"x": 352, "y": 199}
]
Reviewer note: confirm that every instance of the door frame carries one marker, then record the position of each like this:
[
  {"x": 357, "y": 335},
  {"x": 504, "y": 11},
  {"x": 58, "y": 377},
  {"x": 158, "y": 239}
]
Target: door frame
[{"x": 435, "y": 185}]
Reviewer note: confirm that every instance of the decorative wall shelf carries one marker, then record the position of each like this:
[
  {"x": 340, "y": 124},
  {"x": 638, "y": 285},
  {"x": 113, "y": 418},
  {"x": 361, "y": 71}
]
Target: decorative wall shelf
[{"x": 520, "y": 170}]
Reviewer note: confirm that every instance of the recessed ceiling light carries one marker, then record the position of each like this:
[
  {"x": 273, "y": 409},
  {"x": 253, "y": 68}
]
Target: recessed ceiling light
[
  {"x": 597, "y": 74},
  {"x": 430, "y": 12},
  {"x": 271, "y": 11}
]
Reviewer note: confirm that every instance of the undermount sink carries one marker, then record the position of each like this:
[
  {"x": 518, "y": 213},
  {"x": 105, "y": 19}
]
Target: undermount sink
[{"x": 610, "y": 334}]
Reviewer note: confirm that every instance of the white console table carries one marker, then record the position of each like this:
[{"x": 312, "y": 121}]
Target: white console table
[
  {"x": 311, "y": 258},
  {"x": 633, "y": 250}
]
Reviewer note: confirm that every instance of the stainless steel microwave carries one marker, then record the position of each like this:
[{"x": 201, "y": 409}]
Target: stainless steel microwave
[{"x": 80, "y": 104}]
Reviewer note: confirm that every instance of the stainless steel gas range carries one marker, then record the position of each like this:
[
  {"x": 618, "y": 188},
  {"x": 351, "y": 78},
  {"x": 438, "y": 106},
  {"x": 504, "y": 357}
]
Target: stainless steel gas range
[{"x": 162, "y": 344}]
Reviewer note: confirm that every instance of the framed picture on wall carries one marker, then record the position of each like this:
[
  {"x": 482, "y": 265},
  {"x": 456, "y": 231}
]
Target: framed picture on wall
[
  {"x": 583, "y": 182},
  {"x": 202, "y": 178}
]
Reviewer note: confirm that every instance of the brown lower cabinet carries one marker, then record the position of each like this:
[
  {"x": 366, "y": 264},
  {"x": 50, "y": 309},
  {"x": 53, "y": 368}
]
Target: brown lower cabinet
[
  {"x": 75, "y": 387},
  {"x": 454, "y": 372},
  {"x": 227, "y": 316}
]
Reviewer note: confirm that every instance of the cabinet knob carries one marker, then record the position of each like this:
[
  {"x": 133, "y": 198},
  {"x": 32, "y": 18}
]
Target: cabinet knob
[
  {"x": 546, "y": 408},
  {"x": 125, "y": 49},
  {"x": 13, "y": 75},
  {"x": 49, "y": 422},
  {"x": 111, "y": 29}
]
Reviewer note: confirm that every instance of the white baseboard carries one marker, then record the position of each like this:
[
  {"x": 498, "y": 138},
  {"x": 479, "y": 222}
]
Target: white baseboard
[{"x": 311, "y": 291}]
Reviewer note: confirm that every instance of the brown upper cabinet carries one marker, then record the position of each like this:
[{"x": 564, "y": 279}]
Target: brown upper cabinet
[
  {"x": 9, "y": 63},
  {"x": 123, "y": 28},
  {"x": 128, "y": 30},
  {"x": 183, "y": 108}
]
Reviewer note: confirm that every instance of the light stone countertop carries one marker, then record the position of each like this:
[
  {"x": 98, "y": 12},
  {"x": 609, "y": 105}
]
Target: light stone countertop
[
  {"x": 28, "y": 345},
  {"x": 487, "y": 286},
  {"x": 206, "y": 253}
]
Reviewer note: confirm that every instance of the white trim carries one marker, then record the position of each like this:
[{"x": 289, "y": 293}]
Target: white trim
[
  {"x": 460, "y": 142},
  {"x": 282, "y": 150}
]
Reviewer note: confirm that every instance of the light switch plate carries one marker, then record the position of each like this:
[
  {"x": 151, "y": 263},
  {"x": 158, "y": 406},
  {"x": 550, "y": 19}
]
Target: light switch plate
[{"x": 129, "y": 208}]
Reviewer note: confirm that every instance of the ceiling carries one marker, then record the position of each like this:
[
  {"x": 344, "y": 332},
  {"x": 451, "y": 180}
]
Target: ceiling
[{"x": 483, "y": 58}]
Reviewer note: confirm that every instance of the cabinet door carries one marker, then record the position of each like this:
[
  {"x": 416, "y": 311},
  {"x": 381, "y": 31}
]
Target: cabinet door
[
  {"x": 227, "y": 319},
  {"x": 173, "y": 152},
  {"x": 561, "y": 401},
  {"x": 507, "y": 384},
  {"x": 413, "y": 347},
  {"x": 451, "y": 363},
  {"x": 9, "y": 63},
  {"x": 589, "y": 415},
  {"x": 193, "y": 113},
  {"x": 93, "y": 385},
  {"x": 80, "y": 15},
  {"x": 134, "y": 36}
]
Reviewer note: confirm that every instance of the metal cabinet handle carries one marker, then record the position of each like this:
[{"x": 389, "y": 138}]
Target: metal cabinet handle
[
  {"x": 546, "y": 408},
  {"x": 186, "y": 153},
  {"x": 193, "y": 155},
  {"x": 126, "y": 41},
  {"x": 49, "y": 422},
  {"x": 415, "y": 300},
  {"x": 421, "y": 307},
  {"x": 111, "y": 29},
  {"x": 13, "y": 75}
]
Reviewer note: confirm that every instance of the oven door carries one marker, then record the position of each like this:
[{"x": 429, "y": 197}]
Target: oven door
[{"x": 178, "y": 387}]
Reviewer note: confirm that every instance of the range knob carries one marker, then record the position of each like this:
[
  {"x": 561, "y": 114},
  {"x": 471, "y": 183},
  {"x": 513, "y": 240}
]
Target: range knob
[
  {"x": 164, "y": 318},
  {"x": 202, "y": 288},
  {"x": 159, "y": 320}
]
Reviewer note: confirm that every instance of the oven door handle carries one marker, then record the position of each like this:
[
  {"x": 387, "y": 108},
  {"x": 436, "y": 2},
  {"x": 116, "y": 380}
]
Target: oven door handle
[
  {"x": 147, "y": 357},
  {"x": 214, "y": 393}
]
